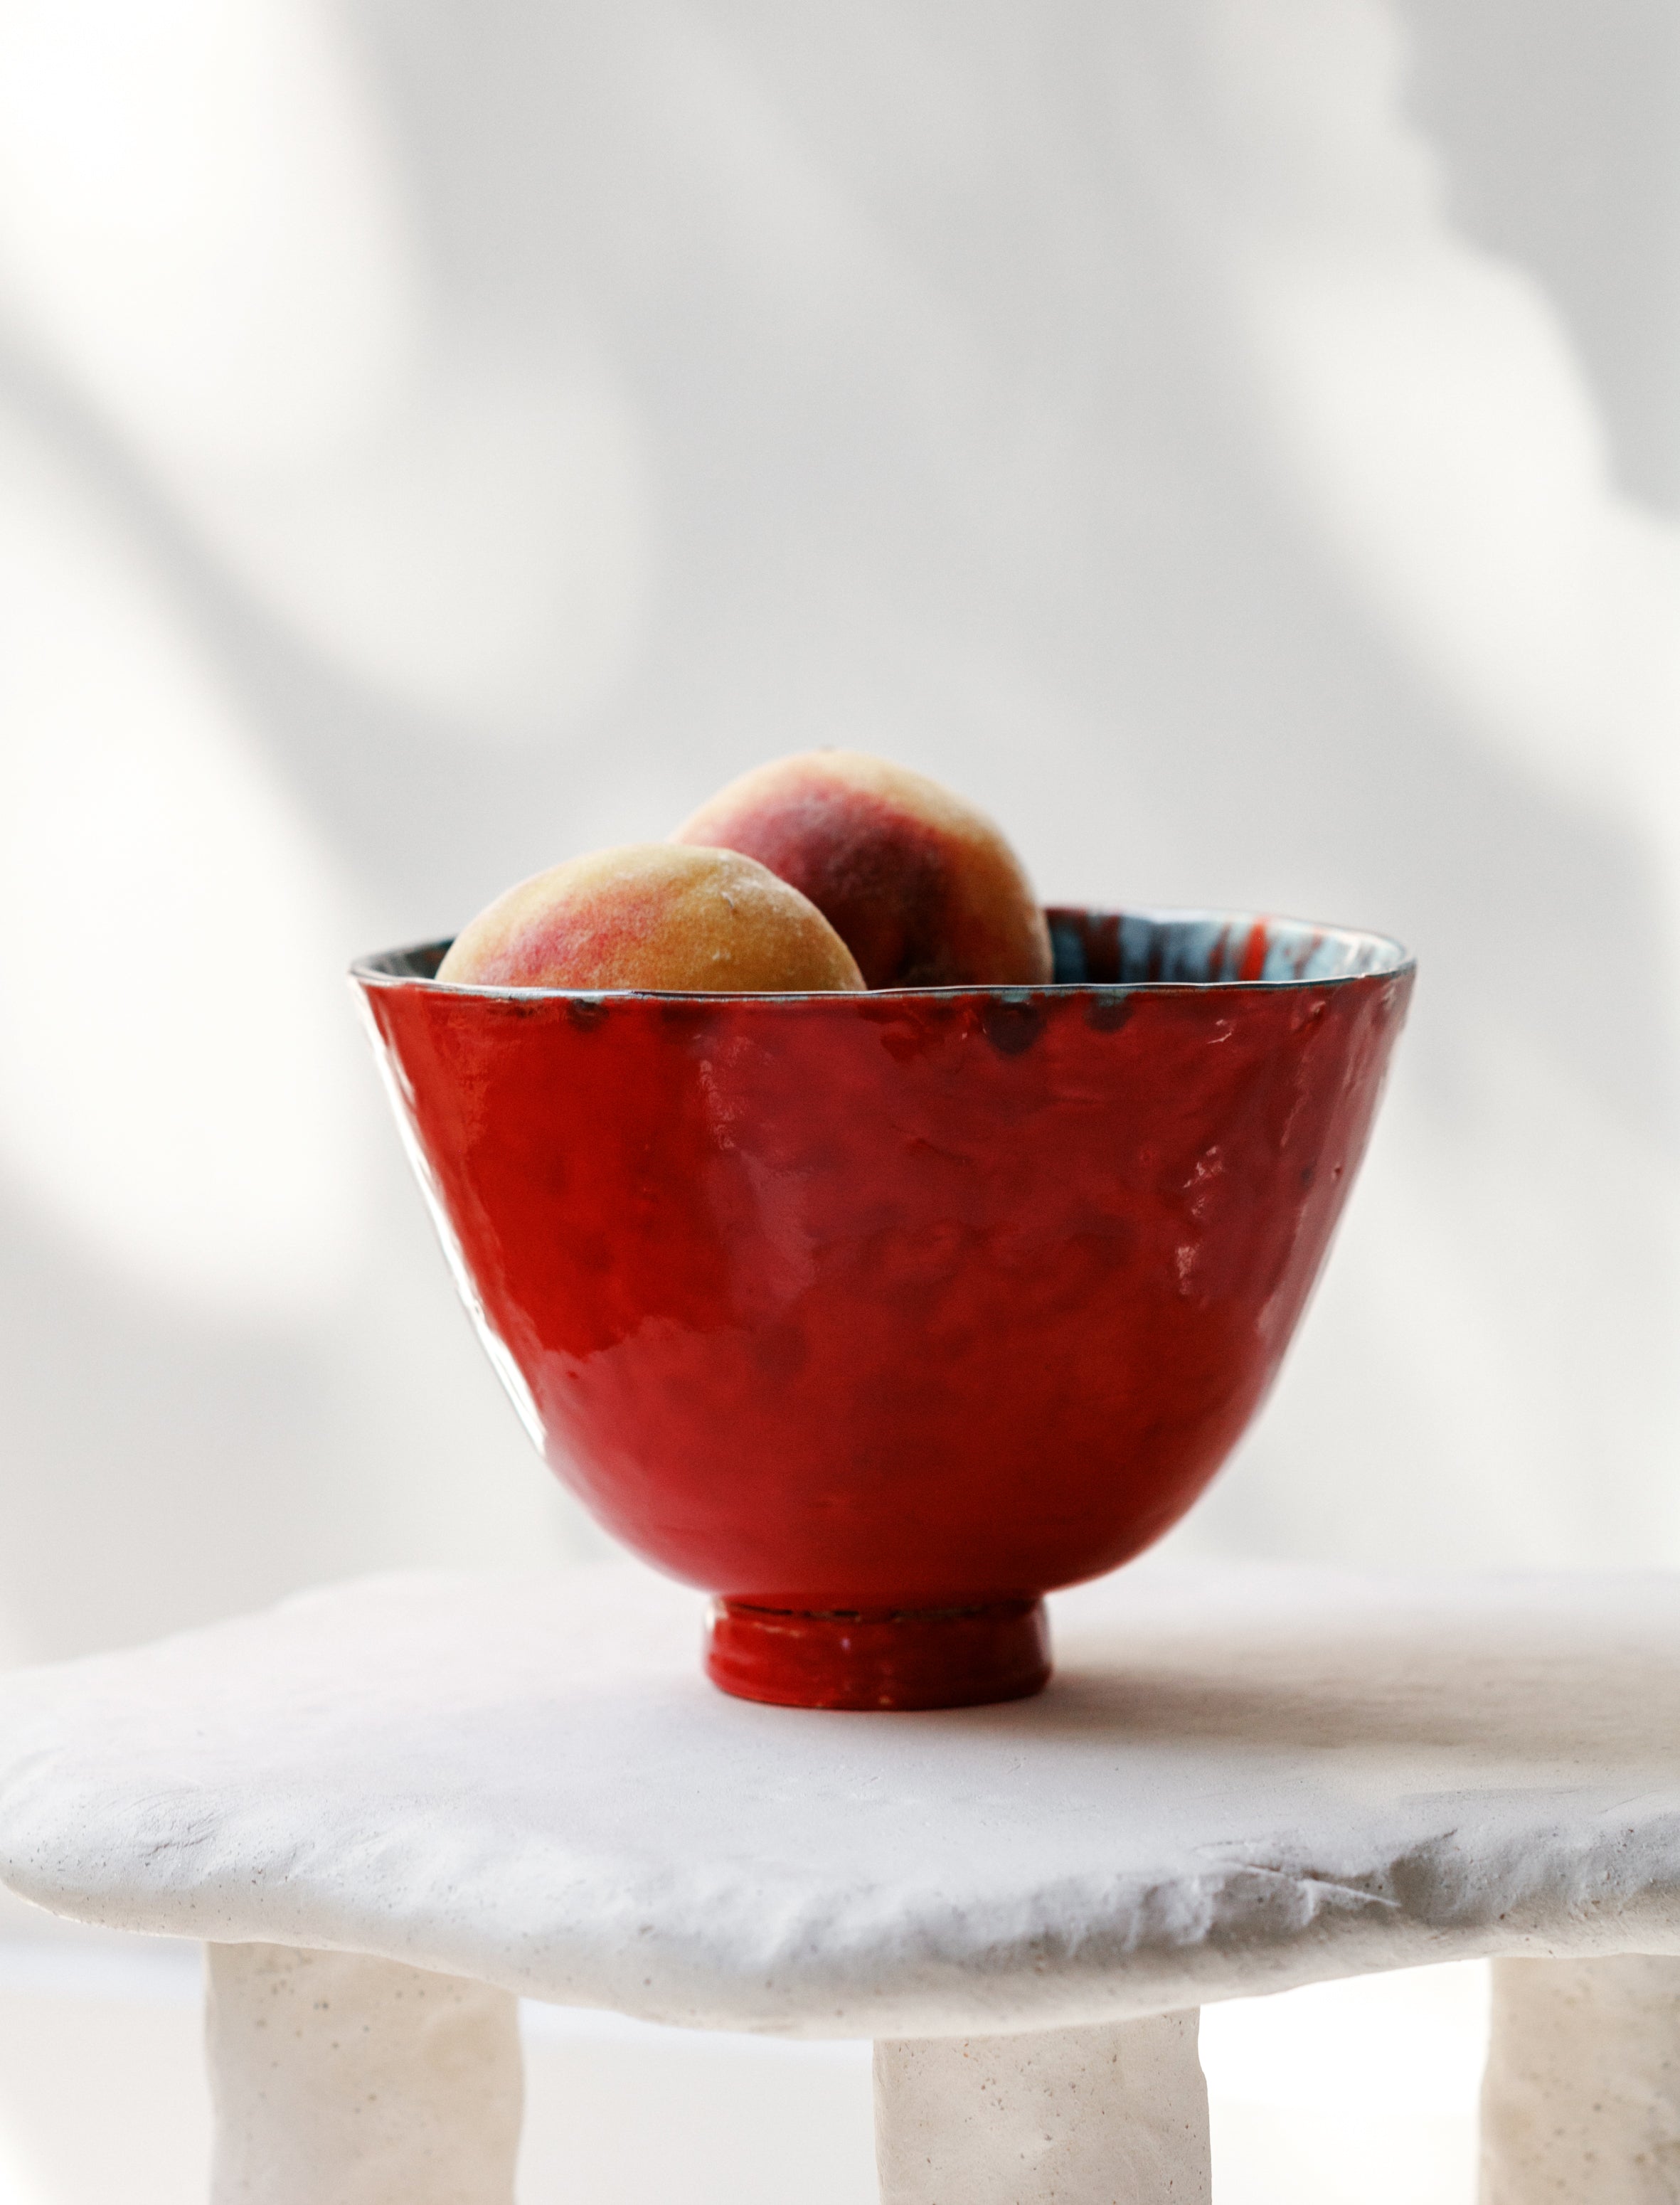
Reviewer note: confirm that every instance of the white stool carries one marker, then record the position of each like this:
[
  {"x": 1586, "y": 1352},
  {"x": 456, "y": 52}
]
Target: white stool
[{"x": 390, "y": 1808}]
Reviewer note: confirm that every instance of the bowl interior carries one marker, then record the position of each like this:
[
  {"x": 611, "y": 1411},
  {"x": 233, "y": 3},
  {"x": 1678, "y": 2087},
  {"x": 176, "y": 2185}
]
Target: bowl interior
[
  {"x": 1122, "y": 948},
  {"x": 1206, "y": 949}
]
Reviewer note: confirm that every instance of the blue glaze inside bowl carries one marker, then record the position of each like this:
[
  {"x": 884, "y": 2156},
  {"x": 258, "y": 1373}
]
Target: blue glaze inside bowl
[{"x": 1204, "y": 948}]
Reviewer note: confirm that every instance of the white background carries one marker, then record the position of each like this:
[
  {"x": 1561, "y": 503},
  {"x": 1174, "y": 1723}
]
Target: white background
[
  {"x": 1236, "y": 441},
  {"x": 1233, "y": 440}
]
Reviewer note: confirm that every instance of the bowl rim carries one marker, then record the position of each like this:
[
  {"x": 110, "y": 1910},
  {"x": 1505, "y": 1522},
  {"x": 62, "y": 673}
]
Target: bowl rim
[{"x": 1394, "y": 962}]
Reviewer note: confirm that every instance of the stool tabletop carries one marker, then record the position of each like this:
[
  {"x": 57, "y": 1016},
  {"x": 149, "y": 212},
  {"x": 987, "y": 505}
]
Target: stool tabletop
[{"x": 1242, "y": 1778}]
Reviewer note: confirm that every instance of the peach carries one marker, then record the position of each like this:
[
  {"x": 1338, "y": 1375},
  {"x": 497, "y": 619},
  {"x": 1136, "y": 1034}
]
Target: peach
[
  {"x": 921, "y": 886},
  {"x": 654, "y": 915}
]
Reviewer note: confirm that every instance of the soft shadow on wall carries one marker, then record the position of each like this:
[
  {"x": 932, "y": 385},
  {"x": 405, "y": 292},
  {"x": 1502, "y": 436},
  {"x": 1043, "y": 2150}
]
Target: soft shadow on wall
[
  {"x": 437, "y": 442},
  {"x": 1560, "y": 129}
]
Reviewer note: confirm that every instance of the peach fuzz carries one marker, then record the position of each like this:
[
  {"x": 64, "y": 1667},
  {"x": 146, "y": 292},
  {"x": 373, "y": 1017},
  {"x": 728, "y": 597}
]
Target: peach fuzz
[
  {"x": 653, "y": 915},
  {"x": 922, "y": 887}
]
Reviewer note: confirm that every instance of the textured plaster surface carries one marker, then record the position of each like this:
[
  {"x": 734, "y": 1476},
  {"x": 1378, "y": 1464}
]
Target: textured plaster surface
[
  {"x": 1241, "y": 1779},
  {"x": 1107, "y": 2116},
  {"x": 1581, "y": 2102},
  {"x": 343, "y": 2081}
]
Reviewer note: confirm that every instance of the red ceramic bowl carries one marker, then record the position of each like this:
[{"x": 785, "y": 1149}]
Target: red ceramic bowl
[{"x": 880, "y": 1316}]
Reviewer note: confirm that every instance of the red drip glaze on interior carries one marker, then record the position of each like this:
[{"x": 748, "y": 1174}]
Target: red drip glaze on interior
[
  {"x": 1253, "y": 952},
  {"x": 897, "y": 1302}
]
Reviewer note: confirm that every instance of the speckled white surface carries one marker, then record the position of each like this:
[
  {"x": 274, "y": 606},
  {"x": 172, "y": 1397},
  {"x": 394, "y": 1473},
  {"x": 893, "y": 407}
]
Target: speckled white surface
[
  {"x": 1581, "y": 2101},
  {"x": 1241, "y": 1779},
  {"x": 1061, "y": 2117},
  {"x": 339, "y": 2080}
]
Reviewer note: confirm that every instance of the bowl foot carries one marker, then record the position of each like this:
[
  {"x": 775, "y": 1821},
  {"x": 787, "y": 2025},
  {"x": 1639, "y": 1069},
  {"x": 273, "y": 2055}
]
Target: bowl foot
[{"x": 902, "y": 1658}]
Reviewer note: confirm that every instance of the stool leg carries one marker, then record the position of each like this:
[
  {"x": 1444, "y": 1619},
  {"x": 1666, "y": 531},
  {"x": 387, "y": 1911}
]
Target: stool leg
[
  {"x": 1110, "y": 2116},
  {"x": 1581, "y": 2101},
  {"x": 338, "y": 2080}
]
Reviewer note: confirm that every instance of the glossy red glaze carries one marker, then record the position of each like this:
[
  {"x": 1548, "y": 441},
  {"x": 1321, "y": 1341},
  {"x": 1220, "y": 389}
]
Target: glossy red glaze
[
  {"x": 893, "y": 1302},
  {"x": 960, "y": 1657}
]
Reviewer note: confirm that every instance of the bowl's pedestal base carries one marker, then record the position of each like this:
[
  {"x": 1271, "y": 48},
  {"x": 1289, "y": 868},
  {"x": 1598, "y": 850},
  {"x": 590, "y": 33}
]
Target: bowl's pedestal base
[{"x": 879, "y": 1658}]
